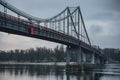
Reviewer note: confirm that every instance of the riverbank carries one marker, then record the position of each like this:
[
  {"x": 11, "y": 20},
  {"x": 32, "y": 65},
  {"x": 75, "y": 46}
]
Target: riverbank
[{"x": 35, "y": 63}]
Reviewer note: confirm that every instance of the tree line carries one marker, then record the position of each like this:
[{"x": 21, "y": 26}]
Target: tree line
[
  {"x": 58, "y": 54},
  {"x": 43, "y": 54}
]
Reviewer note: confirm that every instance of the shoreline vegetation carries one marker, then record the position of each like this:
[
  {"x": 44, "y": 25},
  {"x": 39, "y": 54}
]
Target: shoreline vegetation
[
  {"x": 44, "y": 55},
  {"x": 38, "y": 55}
]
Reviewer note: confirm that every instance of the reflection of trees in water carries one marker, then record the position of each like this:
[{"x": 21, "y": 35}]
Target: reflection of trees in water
[
  {"x": 32, "y": 69},
  {"x": 59, "y": 72},
  {"x": 47, "y": 70},
  {"x": 12, "y": 69},
  {"x": 38, "y": 70},
  {"x": 98, "y": 76}
]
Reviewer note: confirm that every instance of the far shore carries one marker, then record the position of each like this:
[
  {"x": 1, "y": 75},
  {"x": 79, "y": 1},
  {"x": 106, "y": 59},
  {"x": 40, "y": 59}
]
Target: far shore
[{"x": 35, "y": 63}]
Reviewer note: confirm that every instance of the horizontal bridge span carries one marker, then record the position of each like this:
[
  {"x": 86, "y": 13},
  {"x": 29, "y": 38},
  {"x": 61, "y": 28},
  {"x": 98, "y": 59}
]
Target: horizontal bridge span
[{"x": 18, "y": 26}]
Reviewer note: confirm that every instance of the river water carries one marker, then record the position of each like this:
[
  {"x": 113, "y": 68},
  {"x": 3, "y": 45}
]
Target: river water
[{"x": 55, "y": 72}]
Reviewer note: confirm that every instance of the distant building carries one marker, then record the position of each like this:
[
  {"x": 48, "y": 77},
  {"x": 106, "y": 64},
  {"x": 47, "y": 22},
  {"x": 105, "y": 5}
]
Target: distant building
[
  {"x": 111, "y": 50},
  {"x": 112, "y": 54}
]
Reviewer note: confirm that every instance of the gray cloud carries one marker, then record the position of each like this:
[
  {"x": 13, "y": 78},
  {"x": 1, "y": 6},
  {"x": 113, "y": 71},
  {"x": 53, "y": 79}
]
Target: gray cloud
[
  {"x": 113, "y": 5},
  {"x": 95, "y": 29},
  {"x": 107, "y": 41},
  {"x": 102, "y": 16}
]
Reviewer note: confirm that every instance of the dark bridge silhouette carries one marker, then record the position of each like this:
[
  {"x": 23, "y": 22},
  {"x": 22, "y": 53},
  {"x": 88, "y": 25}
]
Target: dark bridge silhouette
[{"x": 66, "y": 28}]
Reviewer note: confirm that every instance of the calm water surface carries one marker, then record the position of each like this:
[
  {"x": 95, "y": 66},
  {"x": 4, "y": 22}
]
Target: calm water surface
[{"x": 55, "y": 72}]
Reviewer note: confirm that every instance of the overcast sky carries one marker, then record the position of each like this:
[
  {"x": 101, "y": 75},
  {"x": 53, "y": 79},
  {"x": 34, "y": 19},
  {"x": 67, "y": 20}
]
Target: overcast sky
[{"x": 102, "y": 19}]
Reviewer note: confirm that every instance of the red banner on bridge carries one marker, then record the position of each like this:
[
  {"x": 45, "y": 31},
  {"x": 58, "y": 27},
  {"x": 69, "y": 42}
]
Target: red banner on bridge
[{"x": 32, "y": 31}]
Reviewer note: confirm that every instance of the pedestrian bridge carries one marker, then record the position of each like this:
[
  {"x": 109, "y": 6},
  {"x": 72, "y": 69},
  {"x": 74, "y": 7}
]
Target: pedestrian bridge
[{"x": 67, "y": 28}]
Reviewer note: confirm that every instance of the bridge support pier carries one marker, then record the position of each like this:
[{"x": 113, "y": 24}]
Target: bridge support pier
[
  {"x": 84, "y": 58},
  {"x": 68, "y": 55},
  {"x": 79, "y": 53},
  {"x": 101, "y": 60},
  {"x": 97, "y": 59},
  {"x": 77, "y": 50},
  {"x": 93, "y": 58}
]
